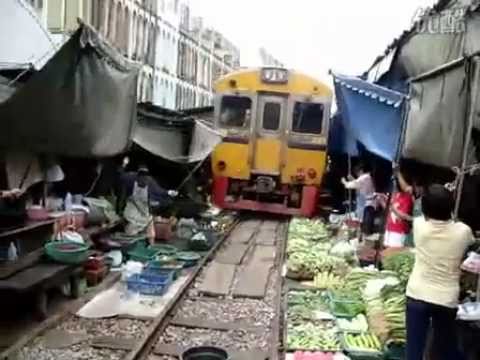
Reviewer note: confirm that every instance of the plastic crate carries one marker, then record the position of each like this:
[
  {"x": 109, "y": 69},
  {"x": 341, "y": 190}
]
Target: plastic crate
[
  {"x": 150, "y": 284},
  {"x": 360, "y": 354},
  {"x": 155, "y": 268}
]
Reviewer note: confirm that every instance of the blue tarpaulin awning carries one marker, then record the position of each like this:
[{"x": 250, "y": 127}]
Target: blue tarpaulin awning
[
  {"x": 370, "y": 114},
  {"x": 340, "y": 139}
]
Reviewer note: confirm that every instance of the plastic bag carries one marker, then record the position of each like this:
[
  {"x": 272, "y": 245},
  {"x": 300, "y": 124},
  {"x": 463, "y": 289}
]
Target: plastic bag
[
  {"x": 469, "y": 311},
  {"x": 131, "y": 268},
  {"x": 72, "y": 236},
  {"x": 472, "y": 263}
]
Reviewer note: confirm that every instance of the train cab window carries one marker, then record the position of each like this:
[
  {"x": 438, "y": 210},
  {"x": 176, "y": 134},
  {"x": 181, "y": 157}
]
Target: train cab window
[
  {"x": 308, "y": 118},
  {"x": 271, "y": 116},
  {"x": 235, "y": 111}
]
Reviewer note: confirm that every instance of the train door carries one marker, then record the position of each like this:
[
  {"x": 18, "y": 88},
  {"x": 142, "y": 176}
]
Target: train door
[{"x": 269, "y": 134}]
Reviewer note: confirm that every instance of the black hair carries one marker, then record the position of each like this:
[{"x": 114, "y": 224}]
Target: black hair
[{"x": 437, "y": 203}]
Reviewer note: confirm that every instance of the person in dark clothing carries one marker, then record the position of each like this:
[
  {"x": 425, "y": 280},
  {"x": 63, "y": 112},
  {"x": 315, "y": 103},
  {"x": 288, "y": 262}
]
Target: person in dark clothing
[
  {"x": 158, "y": 197},
  {"x": 139, "y": 193}
]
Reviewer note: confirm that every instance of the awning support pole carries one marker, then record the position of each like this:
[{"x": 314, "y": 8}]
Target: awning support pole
[{"x": 472, "y": 86}]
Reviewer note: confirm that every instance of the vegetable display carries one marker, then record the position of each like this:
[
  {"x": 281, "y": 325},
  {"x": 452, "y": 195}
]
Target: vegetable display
[
  {"x": 327, "y": 281},
  {"x": 401, "y": 263},
  {"x": 308, "y": 230},
  {"x": 310, "y": 336},
  {"x": 357, "y": 310},
  {"x": 358, "y": 324},
  {"x": 362, "y": 342},
  {"x": 346, "y": 304},
  {"x": 305, "y": 305},
  {"x": 304, "y": 265},
  {"x": 394, "y": 309}
]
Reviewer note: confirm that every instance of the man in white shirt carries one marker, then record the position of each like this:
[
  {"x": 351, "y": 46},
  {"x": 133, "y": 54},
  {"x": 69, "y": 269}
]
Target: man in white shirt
[{"x": 365, "y": 191}]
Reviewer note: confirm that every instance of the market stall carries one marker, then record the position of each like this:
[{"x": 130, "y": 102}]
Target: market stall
[{"x": 336, "y": 307}]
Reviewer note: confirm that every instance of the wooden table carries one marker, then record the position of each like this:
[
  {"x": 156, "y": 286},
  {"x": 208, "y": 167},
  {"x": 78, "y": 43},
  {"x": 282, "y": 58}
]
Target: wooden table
[
  {"x": 31, "y": 237},
  {"x": 37, "y": 280}
]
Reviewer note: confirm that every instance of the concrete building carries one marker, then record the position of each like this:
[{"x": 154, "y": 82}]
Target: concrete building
[
  {"x": 178, "y": 56},
  {"x": 204, "y": 56},
  {"x": 40, "y": 7}
]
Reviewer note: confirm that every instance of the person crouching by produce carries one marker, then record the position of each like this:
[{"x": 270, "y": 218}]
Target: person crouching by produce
[
  {"x": 400, "y": 214},
  {"x": 365, "y": 197},
  {"x": 434, "y": 285}
]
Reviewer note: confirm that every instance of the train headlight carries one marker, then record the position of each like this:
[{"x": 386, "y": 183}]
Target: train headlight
[
  {"x": 274, "y": 75},
  {"x": 312, "y": 173},
  {"x": 221, "y": 165}
]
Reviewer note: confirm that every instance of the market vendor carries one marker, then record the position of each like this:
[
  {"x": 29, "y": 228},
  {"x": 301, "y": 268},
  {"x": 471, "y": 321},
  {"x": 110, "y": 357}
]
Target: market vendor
[
  {"x": 365, "y": 196},
  {"x": 434, "y": 285},
  {"x": 418, "y": 191},
  {"x": 400, "y": 214},
  {"x": 139, "y": 191}
]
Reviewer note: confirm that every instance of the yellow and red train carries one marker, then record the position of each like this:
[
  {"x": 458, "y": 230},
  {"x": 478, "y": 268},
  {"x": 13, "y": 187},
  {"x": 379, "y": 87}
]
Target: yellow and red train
[{"x": 273, "y": 156}]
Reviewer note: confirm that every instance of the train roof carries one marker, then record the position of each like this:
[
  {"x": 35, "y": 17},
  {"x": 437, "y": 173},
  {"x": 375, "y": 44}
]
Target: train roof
[{"x": 248, "y": 79}]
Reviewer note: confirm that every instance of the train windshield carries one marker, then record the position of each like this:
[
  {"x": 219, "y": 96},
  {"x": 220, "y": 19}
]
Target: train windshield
[
  {"x": 235, "y": 111},
  {"x": 308, "y": 118}
]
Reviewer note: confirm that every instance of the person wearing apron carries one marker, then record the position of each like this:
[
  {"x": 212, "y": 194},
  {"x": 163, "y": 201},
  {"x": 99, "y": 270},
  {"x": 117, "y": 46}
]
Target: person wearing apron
[{"x": 136, "y": 211}]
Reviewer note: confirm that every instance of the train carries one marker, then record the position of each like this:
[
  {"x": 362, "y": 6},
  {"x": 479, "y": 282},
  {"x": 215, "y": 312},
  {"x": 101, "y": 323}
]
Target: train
[{"x": 273, "y": 155}]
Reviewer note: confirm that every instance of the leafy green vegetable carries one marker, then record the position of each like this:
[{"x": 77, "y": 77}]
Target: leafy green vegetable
[
  {"x": 309, "y": 336},
  {"x": 402, "y": 264},
  {"x": 303, "y": 305}
]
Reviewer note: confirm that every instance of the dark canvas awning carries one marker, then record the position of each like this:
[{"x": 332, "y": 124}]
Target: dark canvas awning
[
  {"x": 82, "y": 103},
  {"x": 174, "y": 136}
]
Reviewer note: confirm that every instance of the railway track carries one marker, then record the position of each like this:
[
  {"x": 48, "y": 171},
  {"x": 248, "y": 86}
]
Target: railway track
[{"x": 232, "y": 300}]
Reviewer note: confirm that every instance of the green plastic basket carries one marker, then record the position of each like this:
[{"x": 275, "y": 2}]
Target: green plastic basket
[
  {"x": 188, "y": 258},
  {"x": 128, "y": 242},
  {"x": 67, "y": 252},
  {"x": 338, "y": 307},
  {"x": 142, "y": 254},
  {"x": 162, "y": 249}
]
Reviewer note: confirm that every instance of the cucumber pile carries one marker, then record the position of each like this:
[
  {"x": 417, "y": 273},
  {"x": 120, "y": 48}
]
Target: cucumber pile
[{"x": 362, "y": 342}]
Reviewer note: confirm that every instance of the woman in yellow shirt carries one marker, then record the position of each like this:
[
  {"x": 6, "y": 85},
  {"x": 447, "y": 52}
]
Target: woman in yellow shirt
[{"x": 434, "y": 285}]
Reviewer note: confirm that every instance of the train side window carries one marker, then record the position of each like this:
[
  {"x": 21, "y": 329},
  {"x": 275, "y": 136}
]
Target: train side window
[
  {"x": 308, "y": 118},
  {"x": 235, "y": 111},
  {"x": 271, "y": 116}
]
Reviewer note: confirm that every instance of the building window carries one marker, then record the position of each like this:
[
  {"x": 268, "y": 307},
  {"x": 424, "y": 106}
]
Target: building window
[{"x": 118, "y": 40}]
